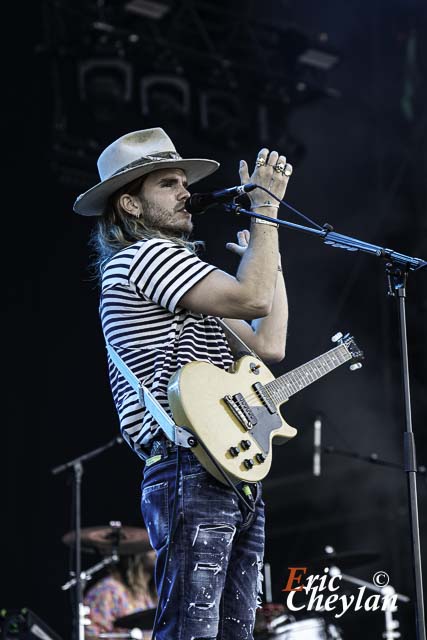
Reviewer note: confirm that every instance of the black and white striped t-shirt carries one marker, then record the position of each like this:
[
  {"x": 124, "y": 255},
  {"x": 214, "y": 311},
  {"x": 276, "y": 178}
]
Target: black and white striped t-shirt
[{"x": 141, "y": 318}]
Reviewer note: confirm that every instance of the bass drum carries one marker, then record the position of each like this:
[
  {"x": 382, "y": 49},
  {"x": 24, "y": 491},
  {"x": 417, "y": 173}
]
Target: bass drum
[{"x": 308, "y": 629}]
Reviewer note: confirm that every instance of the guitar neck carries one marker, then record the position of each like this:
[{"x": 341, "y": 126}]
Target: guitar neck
[{"x": 290, "y": 383}]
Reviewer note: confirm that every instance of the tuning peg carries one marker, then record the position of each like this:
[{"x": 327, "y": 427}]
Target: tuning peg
[
  {"x": 337, "y": 337},
  {"x": 355, "y": 366}
]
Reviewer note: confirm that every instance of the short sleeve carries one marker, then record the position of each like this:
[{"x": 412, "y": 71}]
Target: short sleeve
[{"x": 163, "y": 272}]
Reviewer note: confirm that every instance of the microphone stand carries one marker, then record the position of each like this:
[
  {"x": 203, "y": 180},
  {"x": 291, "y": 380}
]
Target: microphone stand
[
  {"x": 397, "y": 267},
  {"x": 77, "y": 467},
  {"x": 373, "y": 458}
]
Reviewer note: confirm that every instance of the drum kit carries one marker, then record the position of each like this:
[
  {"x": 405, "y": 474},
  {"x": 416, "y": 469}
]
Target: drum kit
[{"x": 111, "y": 542}]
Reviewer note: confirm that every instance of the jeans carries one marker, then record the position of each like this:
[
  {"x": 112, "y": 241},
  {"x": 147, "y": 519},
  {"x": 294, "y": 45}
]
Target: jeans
[{"x": 213, "y": 580}]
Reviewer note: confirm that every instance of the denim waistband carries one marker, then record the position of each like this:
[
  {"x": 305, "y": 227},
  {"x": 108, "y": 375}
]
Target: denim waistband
[{"x": 162, "y": 448}]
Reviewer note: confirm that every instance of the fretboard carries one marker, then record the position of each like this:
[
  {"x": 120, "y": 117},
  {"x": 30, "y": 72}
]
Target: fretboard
[{"x": 289, "y": 383}]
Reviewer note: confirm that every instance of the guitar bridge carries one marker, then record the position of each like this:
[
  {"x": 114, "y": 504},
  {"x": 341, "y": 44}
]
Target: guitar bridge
[{"x": 241, "y": 410}]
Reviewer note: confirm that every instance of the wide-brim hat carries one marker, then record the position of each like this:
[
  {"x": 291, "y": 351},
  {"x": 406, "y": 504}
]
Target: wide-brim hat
[{"x": 132, "y": 156}]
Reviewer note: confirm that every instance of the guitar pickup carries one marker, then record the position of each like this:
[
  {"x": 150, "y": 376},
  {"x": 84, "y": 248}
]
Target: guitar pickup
[
  {"x": 245, "y": 408},
  {"x": 241, "y": 410},
  {"x": 264, "y": 397}
]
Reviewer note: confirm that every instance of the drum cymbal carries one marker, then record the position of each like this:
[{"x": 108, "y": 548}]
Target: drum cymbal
[
  {"x": 131, "y": 539},
  {"x": 140, "y": 619}
]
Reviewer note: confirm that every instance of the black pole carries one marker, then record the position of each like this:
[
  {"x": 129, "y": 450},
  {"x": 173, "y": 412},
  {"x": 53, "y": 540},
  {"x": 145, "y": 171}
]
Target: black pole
[
  {"x": 78, "y": 612},
  {"x": 77, "y": 466},
  {"x": 410, "y": 461}
]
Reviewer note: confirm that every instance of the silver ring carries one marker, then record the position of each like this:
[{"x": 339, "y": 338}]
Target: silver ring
[
  {"x": 260, "y": 162},
  {"x": 279, "y": 167}
]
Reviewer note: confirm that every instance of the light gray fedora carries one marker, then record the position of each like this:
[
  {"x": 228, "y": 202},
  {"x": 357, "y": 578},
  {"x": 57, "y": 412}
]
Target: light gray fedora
[{"x": 132, "y": 156}]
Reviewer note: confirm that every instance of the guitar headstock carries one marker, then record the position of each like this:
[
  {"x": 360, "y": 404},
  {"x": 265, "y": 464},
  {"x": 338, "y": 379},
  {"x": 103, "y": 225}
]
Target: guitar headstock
[{"x": 350, "y": 344}]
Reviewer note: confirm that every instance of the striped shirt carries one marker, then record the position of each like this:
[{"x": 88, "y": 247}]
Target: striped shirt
[{"x": 142, "y": 320}]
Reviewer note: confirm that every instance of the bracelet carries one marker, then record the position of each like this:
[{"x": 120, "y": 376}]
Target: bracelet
[
  {"x": 265, "y": 204},
  {"x": 261, "y": 221}
]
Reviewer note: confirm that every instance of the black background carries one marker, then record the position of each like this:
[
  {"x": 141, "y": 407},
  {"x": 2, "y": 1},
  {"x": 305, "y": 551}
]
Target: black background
[{"x": 360, "y": 165}]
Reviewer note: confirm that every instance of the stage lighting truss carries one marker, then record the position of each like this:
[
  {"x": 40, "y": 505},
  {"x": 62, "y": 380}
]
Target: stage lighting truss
[{"x": 191, "y": 63}]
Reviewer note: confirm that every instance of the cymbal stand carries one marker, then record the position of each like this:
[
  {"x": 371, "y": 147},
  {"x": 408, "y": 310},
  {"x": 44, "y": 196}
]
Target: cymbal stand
[
  {"x": 77, "y": 467},
  {"x": 391, "y": 625},
  {"x": 87, "y": 574}
]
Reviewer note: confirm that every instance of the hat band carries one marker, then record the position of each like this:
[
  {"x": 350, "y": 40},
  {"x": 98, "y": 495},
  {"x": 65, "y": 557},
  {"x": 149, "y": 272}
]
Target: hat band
[{"x": 162, "y": 155}]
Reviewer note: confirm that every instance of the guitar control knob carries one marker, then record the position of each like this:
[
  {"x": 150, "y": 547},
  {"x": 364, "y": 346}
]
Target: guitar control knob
[
  {"x": 233, "y": 451},
  {"x": 260, "y": 457},
  {"x": 245, "y": 444},
  {"x": 248, "y": 463}
]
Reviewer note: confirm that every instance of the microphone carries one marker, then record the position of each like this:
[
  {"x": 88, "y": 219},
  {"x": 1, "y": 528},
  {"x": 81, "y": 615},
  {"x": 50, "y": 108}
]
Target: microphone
[
  {"x": 317, "y": 435},
  {"x": 199, "y": 202}
]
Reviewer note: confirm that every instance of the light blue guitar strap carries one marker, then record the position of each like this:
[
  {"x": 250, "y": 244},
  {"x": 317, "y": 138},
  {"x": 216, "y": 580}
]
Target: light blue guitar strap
[{"x": 176, "y": 434}]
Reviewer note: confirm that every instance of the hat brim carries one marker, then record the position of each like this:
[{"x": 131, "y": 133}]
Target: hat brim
[{"x": 93, "y": 201}]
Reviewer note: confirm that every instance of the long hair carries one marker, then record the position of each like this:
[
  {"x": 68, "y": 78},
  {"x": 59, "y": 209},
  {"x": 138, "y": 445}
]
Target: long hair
[
  {"x": 136, "y": 574},
  {"x": 116, "y": 230}
]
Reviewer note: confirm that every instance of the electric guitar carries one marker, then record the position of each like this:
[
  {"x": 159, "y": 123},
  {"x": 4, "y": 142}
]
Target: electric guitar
[{"x": 235, "y": 414}]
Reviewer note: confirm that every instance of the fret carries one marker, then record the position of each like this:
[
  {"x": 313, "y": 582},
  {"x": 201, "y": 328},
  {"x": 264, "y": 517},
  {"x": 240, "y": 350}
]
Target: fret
[{"x": 290, "y": 383}]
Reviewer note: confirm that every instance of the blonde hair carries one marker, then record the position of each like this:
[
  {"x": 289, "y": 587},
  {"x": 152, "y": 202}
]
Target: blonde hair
[
  {"x": 117, "y": 229},
  {"x": 136, "y": 575}
]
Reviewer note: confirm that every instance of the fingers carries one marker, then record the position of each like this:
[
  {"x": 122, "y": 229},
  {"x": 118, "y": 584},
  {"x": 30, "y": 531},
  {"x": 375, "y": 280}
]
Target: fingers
[
  {"x": 272, "y": 159},
  {"x": 243, "y": 237},
  {"x": 235, "y": 248},
  {"x": 262, "y": 157},
  {"x": 240, "y": 247},
  {"x": 271, "y": 172},
  {"x": 284, "y": 167},
  {"x": 243, "y": 172}
]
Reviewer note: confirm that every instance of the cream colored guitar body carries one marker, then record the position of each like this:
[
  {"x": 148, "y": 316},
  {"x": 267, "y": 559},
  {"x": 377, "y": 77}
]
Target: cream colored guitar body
[{"x": 197, "y": 395}]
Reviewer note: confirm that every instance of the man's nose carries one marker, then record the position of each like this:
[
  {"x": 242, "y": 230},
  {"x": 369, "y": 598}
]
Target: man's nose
[{"x": 183, "y": 193}]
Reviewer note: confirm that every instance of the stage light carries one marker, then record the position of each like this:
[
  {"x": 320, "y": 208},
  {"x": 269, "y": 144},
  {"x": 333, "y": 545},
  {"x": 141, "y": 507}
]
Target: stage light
[
  {"x": 147, "y": 8},
  {"x": 165, "y": 96},
  {"x": 106, "y": 85},
  {"x": 318, "y": 59},
  {"x": 105, "y": 75}
]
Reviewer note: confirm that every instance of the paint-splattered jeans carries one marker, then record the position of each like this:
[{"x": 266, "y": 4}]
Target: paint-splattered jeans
[{"x": 213, "y": 581}]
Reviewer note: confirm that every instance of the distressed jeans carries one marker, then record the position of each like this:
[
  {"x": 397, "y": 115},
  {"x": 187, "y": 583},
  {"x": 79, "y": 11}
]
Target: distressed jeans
[{"x": 213, "y": 581}]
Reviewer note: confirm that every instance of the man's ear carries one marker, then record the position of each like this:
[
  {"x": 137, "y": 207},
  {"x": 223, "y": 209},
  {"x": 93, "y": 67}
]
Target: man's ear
[{"x": 130, "y": 204}]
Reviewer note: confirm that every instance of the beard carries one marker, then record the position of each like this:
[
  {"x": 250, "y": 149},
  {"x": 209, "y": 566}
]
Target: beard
[{"x": 174, "y": 224}]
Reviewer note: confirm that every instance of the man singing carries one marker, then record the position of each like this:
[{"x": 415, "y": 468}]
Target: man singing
[{"x": 159, "y": 308}]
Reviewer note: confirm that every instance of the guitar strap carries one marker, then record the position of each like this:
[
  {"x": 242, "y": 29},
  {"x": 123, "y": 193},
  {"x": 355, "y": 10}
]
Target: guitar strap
[
  {"x": 177, "y": 435},
  {"x": 237, "y": 338}
]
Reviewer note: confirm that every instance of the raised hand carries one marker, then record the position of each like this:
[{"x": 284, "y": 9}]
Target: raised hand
[{"x": 272, "y": 172}]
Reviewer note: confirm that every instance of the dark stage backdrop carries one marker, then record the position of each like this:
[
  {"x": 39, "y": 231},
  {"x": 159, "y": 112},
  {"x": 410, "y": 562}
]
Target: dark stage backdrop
[{"x": 360, "y": 165}]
